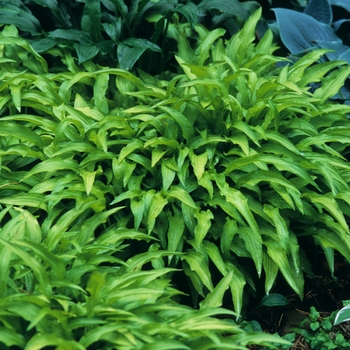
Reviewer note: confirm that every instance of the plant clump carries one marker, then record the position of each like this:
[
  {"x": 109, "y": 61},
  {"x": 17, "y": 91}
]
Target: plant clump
[{"x": 121, "y": 192}]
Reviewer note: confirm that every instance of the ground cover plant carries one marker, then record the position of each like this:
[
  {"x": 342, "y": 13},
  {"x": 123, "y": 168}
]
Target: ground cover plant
[{"x": 115, "y": 184}]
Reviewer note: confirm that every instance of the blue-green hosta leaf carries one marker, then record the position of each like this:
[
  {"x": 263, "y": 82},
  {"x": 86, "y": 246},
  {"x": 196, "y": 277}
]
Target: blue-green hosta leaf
[
  {"x": 320, "y": 10},
  {"x": 299, "y": 31},
  {"x": 342, "y": 3}
]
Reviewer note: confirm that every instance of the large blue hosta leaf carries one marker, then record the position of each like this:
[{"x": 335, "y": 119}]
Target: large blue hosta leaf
[
  {"x": 320, "y": 10},
  {"x": 341, "y": 3},
  {"x": 300, "y": 31}
]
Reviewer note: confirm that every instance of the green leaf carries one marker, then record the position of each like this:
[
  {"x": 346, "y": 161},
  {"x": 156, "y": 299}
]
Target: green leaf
[
  {"x": 214, "y": 254},
  {"x": 181, "y": 120},
  {"x": 328, "y": 203},
  {"x": 21, "y": 132},
  {"x": 280, "y": 225},
  {"x": 91, "y": 20},
  {"x": 180, "y": 194},
  {"x": 343, "y": 315},
  {"x": 279, "y": 256},
  {"x": 197, "y": 264},
  {"x": 198, "y": 163},
  {"x": 190, "y": 12},
  {"x": 85, "y": 52},
  {"x": 19, "y": 17},
  {"x": 11, "y": 338},
  {"x": 215, "y": 297},
  {"x": 131, "y": 49},
  {"x": 332, "y": 83},
  {"x": 157, "y": 205},
  {"x": 237, "y": 284},
  {"x": 72, "y": 34},
  {"x": 203, "y": 225},
  {"x": 175, "y": 232},
  {"x": 271, "y": 271},
  {"x": 51, "y": 166},
  {"x": 239, "y": 201},
  {"x": 274, "y": 299},
  {"x": 94, "y": 285}
]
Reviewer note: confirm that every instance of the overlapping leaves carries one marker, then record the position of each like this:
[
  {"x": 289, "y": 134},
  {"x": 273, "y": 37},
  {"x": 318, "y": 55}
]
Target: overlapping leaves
[{"x": 232, "y": 161}]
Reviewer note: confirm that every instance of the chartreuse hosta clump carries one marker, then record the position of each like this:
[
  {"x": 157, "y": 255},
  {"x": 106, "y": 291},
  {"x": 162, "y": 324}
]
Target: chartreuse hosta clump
[
  {"x": 75, "y": 268},
  {"x": 113, "y": 184}
]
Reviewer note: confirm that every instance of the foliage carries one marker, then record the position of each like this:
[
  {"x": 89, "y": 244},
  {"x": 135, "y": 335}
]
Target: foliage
[
  {"x": 113, "y": 185},
  {"x": 115, "y": 33},
  {"x": 314, "y": 28},
  {"x": 320, "y": 334},
  {"x": 343, "y": 315}
]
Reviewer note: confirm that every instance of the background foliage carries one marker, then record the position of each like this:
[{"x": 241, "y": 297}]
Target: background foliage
[{"x": 122, "y": 193}]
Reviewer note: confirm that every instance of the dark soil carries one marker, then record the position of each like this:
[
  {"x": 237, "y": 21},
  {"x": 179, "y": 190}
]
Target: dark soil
[{"x": 321, "y": 291}]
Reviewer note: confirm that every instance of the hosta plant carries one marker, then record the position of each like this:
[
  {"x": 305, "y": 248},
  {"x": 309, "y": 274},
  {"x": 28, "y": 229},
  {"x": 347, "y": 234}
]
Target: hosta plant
[
  {"x": 76, "y": 270},
  {"x": 231, "y": 168}
]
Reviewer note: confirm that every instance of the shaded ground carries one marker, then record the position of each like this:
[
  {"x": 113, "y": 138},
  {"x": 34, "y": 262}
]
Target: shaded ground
[{"x": 321, "y": 291}]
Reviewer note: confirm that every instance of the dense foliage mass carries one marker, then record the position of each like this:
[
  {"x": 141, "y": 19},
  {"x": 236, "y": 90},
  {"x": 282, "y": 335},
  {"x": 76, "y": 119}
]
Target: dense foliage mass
[{"x": 123, "y": 192}]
